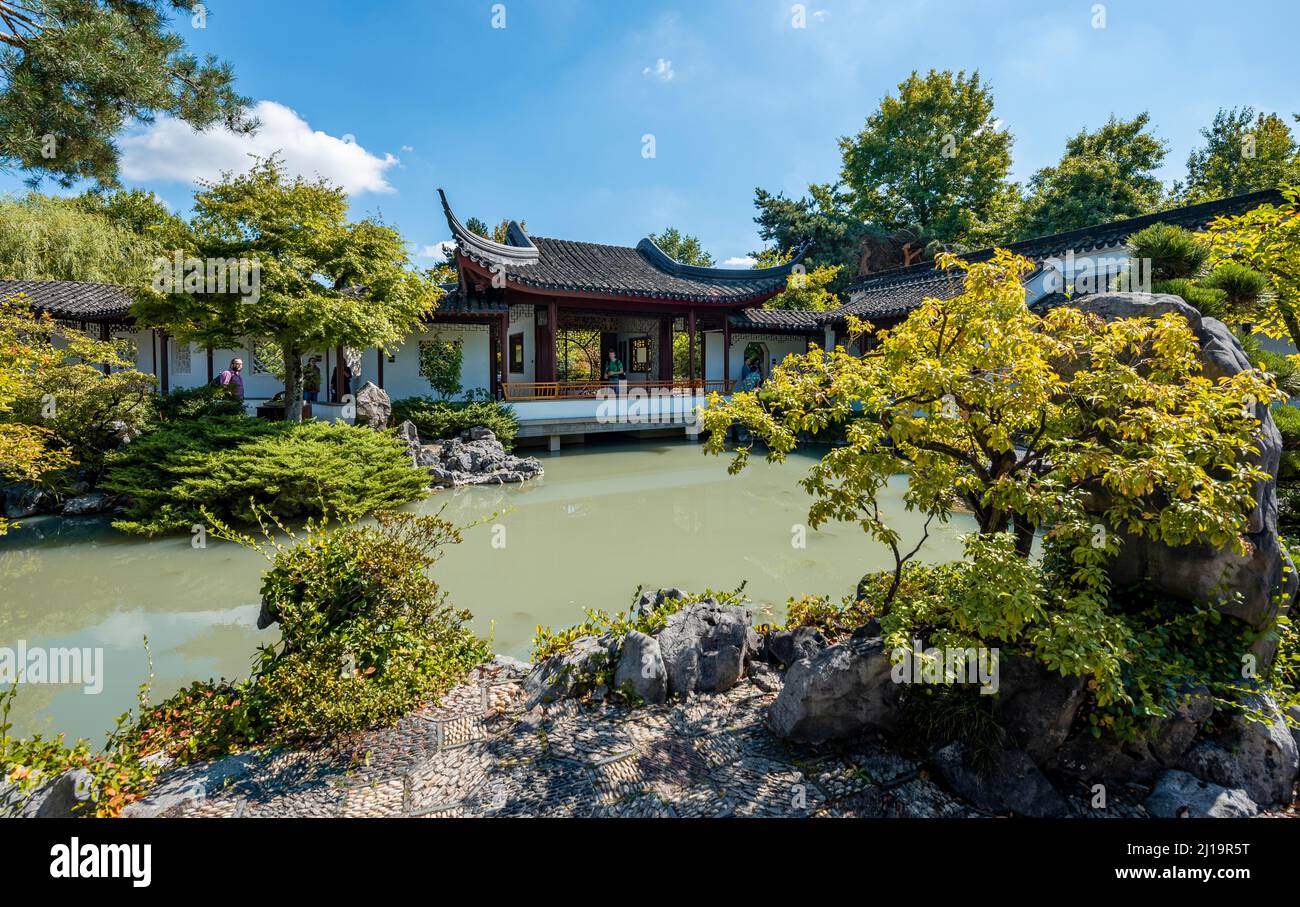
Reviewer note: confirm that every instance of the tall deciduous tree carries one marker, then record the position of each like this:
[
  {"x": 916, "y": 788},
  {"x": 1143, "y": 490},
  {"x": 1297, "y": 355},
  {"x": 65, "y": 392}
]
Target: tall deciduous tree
[
  {"x": 682, "y": 247},
  {"x": 1243, "y": 152},
  {"x": 1103, "y": 176},
  {"x": 324, "y": 282},
  {"x": 933, "y": 159},
  {"x": 46, "y": 238},
  {"x": 73, "y": 73}
]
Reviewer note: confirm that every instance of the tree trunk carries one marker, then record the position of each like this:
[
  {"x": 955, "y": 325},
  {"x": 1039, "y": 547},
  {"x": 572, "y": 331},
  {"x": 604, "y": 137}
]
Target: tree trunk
[
  {"x": 292, "y": 383},
  {"x": 1024, "y": 536}
]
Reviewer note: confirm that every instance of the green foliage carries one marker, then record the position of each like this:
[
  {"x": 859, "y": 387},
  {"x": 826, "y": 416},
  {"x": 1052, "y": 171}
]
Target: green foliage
[
  {"x": 46, "y": 238},
  {"x": 932, "y": 158},
  {"x": 1243, "y": 152},
  {"x": 1209, "y": 302},
  {"x": 1173, "y": 251},
  {"x": 682, "y": 247},
  {"x": 365, "y": 637},
  {"x": 1242, "y": 286},
  {"x": 80, "y": 71},
  {"x": 835, "y": 620},
  {"x": 1103, "y": 176},
  {"x": 230, "y": 466},
  {"x": 86, "y": 411},
  {"x": 440, "y": 362},
  {"x": 811, "y": 291},
  {"x": 447, "y": 419},
  {"x": 323, "y": 281},
  {"x": 824, "y": 217},
  {"x": 191, "y": 403}
]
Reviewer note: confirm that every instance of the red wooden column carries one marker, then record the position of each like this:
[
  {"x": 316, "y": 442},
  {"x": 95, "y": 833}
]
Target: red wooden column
[
  {"x": 552, "y": 316},
  {"x": 379, "y": 372},
  {"x": 690, "y": 327},
  {"x": 726, "y": 352},
  {"x": 209, "y": 365},
  {"x": 666, "y": 349}
]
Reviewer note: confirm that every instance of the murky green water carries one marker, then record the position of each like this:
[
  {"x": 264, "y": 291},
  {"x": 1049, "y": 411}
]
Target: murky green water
[{"x": 603, "y": 520}]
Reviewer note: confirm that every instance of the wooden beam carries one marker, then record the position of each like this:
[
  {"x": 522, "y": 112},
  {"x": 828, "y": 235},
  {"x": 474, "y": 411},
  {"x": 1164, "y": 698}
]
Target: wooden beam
[
  {"x": 690, "y": 327},
  {"x": 379, "y": 372},
  {"x": 209, "y": 365},
  {"x": 504, "y": 347},
  {"x": 104, "y": 338},
  {"x": 726, "y": 350},
  {"x": 665, "y": 349},
  {"x": 164, "y": 362},
  {"x": 340, "y": 379}
]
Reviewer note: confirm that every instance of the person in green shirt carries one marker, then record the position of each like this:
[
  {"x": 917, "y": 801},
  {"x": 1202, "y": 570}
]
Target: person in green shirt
[
  {"x": 311, "y": 380},
  {"x": 614, "y": 370}
]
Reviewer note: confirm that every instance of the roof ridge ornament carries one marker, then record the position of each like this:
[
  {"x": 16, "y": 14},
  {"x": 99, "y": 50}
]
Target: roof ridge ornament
[
  {"x": 665, "y": 262},
  {"x": 519, "y": 252}
]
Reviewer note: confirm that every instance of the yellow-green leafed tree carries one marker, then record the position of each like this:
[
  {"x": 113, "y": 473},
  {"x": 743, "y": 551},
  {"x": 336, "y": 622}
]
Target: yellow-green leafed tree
[
  {"x": 31, "y": 347},
  {"x": 1025, "y": 420},
  {"x": 1266, "y": 239}
]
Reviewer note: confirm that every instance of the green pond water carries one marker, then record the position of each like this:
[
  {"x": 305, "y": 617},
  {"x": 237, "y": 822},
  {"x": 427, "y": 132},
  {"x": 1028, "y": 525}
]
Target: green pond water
[{"x": 602, "y": 521}]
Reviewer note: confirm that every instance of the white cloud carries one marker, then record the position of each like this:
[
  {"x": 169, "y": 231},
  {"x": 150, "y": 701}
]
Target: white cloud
[
  {"x": 439, "y": 252},
  {"x": 662, "y": 70},
  {"x": 407, "y": 149},
  {"x": 741, "y": 261},
  {"x": 173, "y": 151},
  {"x": 821, "y": 15}
]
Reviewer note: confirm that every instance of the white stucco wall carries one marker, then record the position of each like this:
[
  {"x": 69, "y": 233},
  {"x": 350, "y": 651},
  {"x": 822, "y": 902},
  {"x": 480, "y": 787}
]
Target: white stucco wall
[{"x": 778, "y": 347}]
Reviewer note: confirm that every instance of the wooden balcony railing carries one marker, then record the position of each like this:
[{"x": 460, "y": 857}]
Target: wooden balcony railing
[{"x": 587, "y": 390}]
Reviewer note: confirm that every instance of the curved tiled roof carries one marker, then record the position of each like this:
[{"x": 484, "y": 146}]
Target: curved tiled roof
[
  {"x": 643, "y": 272},
  {"x": 780, "y": 319},
  {"x": 893, "y": 293},
  {"x": 72, "y": 300}
]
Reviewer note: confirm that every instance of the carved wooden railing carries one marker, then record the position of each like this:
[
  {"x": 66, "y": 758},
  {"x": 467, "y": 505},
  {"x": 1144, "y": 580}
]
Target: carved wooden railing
[{"x": 586, "y": 390}]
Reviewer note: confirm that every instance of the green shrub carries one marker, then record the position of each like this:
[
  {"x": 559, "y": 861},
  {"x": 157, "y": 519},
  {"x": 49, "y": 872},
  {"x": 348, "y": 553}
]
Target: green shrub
[
  {"x": 446, "y": 419},
  {"x": 226, "y": 466},
  {"x": 1241, "y": 285},
  {"x": 1173, "y": 251},
  {"x": 365, "y": 637},
  {"x": 1210, "y": 303},
  {"x": 86, "y": 410},
  {"x": 203, "y": 402},
  {"x": 1287, "y": 419}
]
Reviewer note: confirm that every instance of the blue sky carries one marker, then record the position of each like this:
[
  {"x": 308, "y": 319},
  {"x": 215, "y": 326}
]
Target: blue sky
[{"x": 543, "y": 120}]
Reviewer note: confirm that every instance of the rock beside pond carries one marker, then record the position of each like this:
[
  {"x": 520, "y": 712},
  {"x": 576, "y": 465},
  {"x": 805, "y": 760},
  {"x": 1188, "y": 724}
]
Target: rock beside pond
[
  {"x": 841, "y": 691},
  {"x": 189, "y": 786},
  {"x": 785, "y": 647},
  {"x": 641, "y": 671},
  {"x": 65, "y": 796},
  {"x": 409, "y": 435},
  {"x": 704, "y": 647},
  {"x": 1178, "y": 795},
  {"x": 1036, "y": 706},
  {"x": 93, "y": 502},
  {"x": 25, "y": 499},
  {"x": 649, "y": 602},
  {"x": 568, "y": 673},
  {"x": 373, "y": 407},
  {"x": 1253, "y": 587},
  {"x": 475, "y": 458}
]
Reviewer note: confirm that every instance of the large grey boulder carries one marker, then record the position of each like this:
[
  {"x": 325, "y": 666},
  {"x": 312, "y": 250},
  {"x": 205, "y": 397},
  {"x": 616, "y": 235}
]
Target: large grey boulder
[
  {"x": 1036, "y": 705},
  {"x": 1175, "y": 735},
  {"x": 1258, "y": 757},
  {"x": 410, "y": 436},
  {"x": 1253, "y": 587},
  {"x": 641, "y": 670},
  {"x": 568, "y": 673},
  {"x": 785, "y": 647},
  {"x": 1178, "y": 795},
  {"x": 26, "y": 499},
  {"x": 373, "y": 407},
  {"x": 839, "y": 692},
  {"x": 703, "y": 647},
  {"x": 1013, "y": 784},
  {"x": 650, "y": 601}
]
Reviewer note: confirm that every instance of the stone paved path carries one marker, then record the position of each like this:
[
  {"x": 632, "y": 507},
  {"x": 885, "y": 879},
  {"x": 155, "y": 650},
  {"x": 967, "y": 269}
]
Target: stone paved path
[{"x": 478, "y": 754}]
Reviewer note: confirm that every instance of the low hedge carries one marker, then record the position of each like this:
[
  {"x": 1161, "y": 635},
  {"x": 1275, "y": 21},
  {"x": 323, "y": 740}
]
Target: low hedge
[{"x": 446, "y": 419}]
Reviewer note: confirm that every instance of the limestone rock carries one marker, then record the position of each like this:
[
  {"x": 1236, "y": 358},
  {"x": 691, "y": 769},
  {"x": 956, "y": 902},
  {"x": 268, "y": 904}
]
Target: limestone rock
[
  {"x": 1175, "y": 735},
  {"x": 65, "y": 796},
  {"x": 25, "y": 499},
  {"x": 410, "y": 436},
  {"x": 373, "y": 407},
  {"x": 785, "y": 647},
  {"x": 1178, "y": 795},
  {"x": 651, "y": 601},
  {"x": 641, "y": 669},
  {"x": 190, "y": 785},
  {"x": 1012, "y": 785},
  {"x": 703, "y": 647},
  {"x": 1036, "y": 705},
  {"x": 87, "y": 504},
  {"x": 568, "y": 673},
  {"x": 1258, "y": 757},
  {"x": 840, "y": 691},
  {"x": 475, "y": 458}
]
